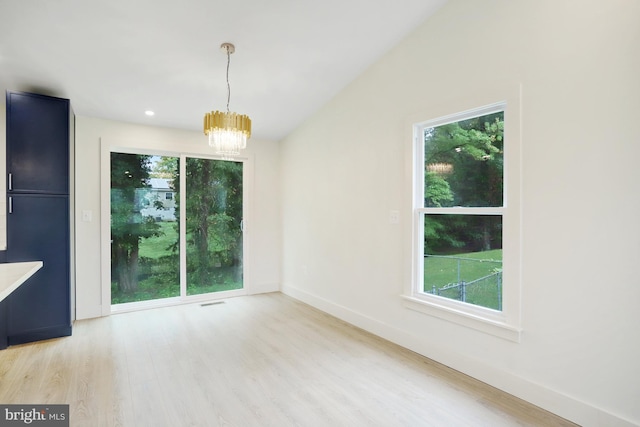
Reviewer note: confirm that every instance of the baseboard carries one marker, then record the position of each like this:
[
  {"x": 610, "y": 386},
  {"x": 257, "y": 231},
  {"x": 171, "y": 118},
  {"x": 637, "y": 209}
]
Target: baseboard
[
  {"x": 553, "y": 401},
  {"x": 88, "y": 311},
  {"x": 263, "y": 288},
  {"x": 39, "y": 335}
]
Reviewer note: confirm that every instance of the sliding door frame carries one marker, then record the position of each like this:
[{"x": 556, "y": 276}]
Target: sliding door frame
[{"x": 170, "y": 150}]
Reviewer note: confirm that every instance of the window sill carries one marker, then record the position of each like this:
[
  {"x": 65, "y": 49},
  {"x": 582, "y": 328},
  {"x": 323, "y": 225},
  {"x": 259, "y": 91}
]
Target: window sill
[{"x": 479, "y": 322}]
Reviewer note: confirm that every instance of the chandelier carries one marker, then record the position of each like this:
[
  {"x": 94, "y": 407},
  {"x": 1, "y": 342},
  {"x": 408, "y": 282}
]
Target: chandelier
[{"x": 228, "y": 132}]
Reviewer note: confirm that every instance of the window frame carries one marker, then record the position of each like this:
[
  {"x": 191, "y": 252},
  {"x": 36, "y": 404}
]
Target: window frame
[{"x": 504, "y": 323}]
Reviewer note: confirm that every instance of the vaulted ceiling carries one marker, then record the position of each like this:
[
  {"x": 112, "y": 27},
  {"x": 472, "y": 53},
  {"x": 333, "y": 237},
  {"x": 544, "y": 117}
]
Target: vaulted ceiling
[{"x": 117, "y": 58}]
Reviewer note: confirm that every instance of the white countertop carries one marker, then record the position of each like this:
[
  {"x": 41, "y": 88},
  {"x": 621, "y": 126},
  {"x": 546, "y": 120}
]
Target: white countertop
[{"x": 14, "y": 274}]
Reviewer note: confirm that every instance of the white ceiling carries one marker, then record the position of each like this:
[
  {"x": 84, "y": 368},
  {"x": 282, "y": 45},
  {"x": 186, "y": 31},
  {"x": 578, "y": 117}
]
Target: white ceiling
[{"x": 117, "y": 58}]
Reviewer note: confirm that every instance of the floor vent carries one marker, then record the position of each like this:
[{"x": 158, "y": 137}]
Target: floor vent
[{"x": 211, "y": 303}]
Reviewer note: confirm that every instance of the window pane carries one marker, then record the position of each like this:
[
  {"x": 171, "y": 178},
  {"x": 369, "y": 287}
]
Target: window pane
[
  {"x": 144, "y": 228},
  {"x": 463, "y": 258},
  {"x": 464, "y": 163},
  {"x": 214, "y": 233}
]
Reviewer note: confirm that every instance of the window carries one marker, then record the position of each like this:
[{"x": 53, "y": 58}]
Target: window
[
  {"x": 461, "y": 221},
  {"x": 191, "y": 249},
  {"x": 462, "y": 209}
]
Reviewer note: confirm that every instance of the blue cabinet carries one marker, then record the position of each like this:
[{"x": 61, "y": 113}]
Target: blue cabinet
[
  {"x": 39, "y": 132},
  {"x": 38, "y": 229}
]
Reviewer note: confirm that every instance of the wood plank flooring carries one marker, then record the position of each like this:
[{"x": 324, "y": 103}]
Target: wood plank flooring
[{"x": 263, "y": 360}]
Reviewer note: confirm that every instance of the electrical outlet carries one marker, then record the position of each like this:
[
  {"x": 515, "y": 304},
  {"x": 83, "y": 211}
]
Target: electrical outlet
[{"x": 394, "y": 217}]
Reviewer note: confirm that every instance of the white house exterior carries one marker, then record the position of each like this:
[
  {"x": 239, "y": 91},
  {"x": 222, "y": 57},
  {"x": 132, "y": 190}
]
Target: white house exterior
[{"x": 159, "y": 200}]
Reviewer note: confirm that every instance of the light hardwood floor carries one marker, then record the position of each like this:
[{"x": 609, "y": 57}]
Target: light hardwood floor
[{"x": 263, "y": 360}]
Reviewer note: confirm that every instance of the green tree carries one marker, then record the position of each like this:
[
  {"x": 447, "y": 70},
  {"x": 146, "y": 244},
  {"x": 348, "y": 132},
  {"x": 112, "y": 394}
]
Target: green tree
[
  {"x": 469, "y": 154},
  {"x": 437, "y": 190},
  {"x": 166, "y": 167},
  {"x": 214, "y": 213},
  {"x": 129, "y": 177}
]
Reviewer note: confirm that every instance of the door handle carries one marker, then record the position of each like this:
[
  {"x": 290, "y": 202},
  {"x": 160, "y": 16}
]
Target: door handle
[
  {"x": 10, "y": 205},
  {"x": 10, "y": 181}
]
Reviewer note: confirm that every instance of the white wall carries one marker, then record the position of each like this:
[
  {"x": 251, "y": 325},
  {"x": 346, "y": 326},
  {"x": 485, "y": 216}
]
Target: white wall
[
  {"x": 263, "y": 226},
  {"x": 346, "y": 168}
]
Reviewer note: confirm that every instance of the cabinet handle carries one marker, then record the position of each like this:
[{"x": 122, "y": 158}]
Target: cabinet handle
[
  {"x": 10, "y": 181},
  {"x": 10, "y": 205}
]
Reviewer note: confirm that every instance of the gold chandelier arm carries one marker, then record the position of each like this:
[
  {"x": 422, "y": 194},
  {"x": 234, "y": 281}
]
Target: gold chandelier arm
[{"x": 229, "y": 121}]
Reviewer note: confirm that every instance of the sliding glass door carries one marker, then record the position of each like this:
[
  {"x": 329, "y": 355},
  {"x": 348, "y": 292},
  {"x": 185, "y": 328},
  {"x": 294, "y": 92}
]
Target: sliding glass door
[
  {"x": 213, "y": 225},
  {"x": 168, "y": 243}
]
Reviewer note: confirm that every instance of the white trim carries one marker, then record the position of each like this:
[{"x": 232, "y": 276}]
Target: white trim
[
  {"x": 463, "y": 115},
  {"x": 182, "y": 238},
  {"x": 462, "y": 211},
  {"x": 538, "y": 394},
  {"x": 471, "y": 317},
  {"x": 105, "y": 228},
  {"x": 168, "y": 302},
  {"x": 504, "y": 324}
]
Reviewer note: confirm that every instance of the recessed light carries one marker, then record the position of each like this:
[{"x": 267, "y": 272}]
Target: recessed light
[{"x": 149, "y": 113}]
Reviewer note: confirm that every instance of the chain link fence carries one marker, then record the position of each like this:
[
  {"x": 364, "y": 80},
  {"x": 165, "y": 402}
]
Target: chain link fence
[{"x": 485, "y": 291}]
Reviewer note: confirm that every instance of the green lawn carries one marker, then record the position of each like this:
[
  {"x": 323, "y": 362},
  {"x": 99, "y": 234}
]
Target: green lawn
[
  {"x": 148, "y": 289},
  {"x": 158, "y": 272},
  {"x": 441, "y": 271},
  {"x": 156, "y": 247}
]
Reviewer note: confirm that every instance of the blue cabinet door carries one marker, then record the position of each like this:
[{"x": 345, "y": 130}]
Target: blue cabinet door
[
  {"x": 38, "y": 130},
  {"x": 38, "y": 229}
]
